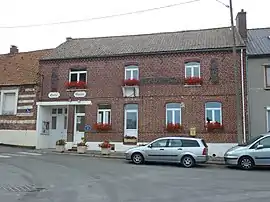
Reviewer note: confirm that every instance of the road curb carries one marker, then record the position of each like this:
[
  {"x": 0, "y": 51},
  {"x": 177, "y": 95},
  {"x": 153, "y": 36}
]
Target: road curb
[
  {"x": 211, "y": 162},
  {"x": 18, "y": 146}
]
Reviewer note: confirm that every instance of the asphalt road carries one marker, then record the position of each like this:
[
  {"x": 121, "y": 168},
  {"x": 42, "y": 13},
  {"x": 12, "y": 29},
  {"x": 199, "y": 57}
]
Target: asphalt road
[{"x": 29, "y": 177}]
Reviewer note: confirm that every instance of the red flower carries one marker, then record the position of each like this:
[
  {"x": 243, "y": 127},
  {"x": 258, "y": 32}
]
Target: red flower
[
  {"x": 214, "y": 126},
  {"x": 76, "y": 84},
  {"x": 193, "y": 80},
  {"x": 105, "y": 144},
  {"x": 173, "y": 127},
  {"x": 131, "y": 82},
  {"x": 102, "y": 126}
]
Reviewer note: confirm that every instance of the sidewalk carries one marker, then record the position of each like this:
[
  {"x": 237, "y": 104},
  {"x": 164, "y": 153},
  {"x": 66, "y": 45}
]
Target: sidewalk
[{"x": 115, "y": 155}]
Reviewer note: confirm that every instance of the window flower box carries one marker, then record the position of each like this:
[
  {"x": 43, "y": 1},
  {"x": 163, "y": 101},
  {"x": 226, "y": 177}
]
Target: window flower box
[
  {"x": 214, "y": 127},
  {"x": 102, "y": 127},
  {"x": 76, "y": 85},
  {"x": 193, "y": 81},
  {"x": 131, "y": 82},
  {"x": 173, "y": 128}
]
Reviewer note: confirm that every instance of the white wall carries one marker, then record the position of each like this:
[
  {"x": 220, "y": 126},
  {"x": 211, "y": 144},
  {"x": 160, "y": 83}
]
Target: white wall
[
  {"x": 214, "y": 149},
  {"x": 43, "y": 114},
  {"x": 18, "y": 137}
]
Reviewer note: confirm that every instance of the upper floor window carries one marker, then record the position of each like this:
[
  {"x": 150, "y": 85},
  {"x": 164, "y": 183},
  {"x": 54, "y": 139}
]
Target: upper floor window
[
  {"x": 213, "y": 112},
  {"x": 131, "y": 72},
  {"x": 8, "y": 102},
  {"x": 173, "y": 113},
  {"x": 77, "y": 75},
  {"x": 192, "y": 69},
  {"x": 104, "y": 114},
  {"x": 267, "y": 76}
]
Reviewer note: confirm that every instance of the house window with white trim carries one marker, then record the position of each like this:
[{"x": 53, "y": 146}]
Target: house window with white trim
[
  {"x": 267, "y": 76},
  {"x": 213, "y": 112},
  {"x": 132, "y": 72},
  {"x": 77, "y": 75},
  {"x": 104, "y": 114},
  {"x": 8, "y": 102},
  {"x": 192, "y": 69},
  {"x": 173, "y": 113}
]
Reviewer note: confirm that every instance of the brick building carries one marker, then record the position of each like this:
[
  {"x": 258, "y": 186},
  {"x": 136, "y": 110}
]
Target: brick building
[
  {"x": 18, "y": 88},
  {"x": 133, "y": 89}
]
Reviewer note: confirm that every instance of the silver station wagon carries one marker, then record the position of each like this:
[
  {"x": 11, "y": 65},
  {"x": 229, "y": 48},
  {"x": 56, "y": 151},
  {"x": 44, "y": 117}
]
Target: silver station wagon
[
  {"x": 184, "y": 150},
  {"x": 255, "y": 152}
]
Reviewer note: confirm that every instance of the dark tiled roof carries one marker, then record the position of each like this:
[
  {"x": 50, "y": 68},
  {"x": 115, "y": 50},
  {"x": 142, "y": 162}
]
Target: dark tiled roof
[
  {"x": 148, "y": 43},
  {"x": 258, "y": 42},
  {"x": 20, "y": 68}
]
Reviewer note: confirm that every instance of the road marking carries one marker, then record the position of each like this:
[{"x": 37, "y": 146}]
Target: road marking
[
  {"x": 14, "y": 154},
  {"x": 28, "y": 153},
  {"x": 2, "y": 156}
]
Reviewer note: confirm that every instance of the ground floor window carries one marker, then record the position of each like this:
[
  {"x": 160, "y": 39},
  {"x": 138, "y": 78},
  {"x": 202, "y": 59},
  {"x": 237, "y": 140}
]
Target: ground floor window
[
  {"x": 267, "y": 120},
  {"x": 173, "y": 113},
  {"x": 213, "y": 112},
  {"x": 104, "y": 114}
]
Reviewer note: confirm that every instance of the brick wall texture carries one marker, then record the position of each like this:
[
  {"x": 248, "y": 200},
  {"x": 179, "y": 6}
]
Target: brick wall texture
[{"x": 104, "y": 80}]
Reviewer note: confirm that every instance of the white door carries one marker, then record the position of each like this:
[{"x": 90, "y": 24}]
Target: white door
[
  {"x": 79, "y": 124},
  {"x": 58, "y": 125},
  {"x": 131, "y": 120}
]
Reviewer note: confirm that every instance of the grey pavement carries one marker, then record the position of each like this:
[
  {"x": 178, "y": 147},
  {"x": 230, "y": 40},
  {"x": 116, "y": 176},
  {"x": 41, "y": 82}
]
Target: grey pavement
[{"x": 50, "y": 177}]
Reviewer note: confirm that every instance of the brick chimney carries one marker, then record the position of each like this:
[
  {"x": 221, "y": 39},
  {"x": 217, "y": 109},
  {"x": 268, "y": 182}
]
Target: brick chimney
[
  {"x": 13, "y": 49},
  {"x": 241, "y": 23}
]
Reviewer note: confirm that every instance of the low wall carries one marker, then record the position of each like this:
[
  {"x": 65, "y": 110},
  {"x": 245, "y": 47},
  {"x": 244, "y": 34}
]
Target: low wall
[{"x": 18, "y": 137}]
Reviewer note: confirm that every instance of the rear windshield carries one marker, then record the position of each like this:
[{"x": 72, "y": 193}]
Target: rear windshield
[
  {"x": 204, "y": 143},
  {"x": 190, "y": 143}
]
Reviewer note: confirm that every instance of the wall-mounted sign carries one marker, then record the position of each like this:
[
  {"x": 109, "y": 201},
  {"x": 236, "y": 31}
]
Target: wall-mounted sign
[
  {"x": 54, "y": 95},
  {"x": 87, "y": 127},
  {"x": 79, "y": 94}
]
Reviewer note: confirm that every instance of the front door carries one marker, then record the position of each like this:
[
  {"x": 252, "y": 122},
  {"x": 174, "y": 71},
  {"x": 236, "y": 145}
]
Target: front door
[
  {"x": 158, "y": 151},
  {"x": 131, "y": 121},
  {"x": 58, "y": 125},
  {"x": 79, "y": 124},
  {"x": 262, "y": 156}
]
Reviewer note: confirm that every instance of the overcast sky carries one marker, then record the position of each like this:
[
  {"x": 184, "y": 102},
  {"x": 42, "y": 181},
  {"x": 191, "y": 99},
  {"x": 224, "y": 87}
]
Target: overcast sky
[{"x": 197, "y": 15}]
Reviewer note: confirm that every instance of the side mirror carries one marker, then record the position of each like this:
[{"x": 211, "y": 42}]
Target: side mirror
[
  {"x": 150, "y": 146},
  {"x": 259, "y": 147}
]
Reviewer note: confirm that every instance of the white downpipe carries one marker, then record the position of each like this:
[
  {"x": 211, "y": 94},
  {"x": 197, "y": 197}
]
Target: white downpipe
[{"x": 243, "y": 96}]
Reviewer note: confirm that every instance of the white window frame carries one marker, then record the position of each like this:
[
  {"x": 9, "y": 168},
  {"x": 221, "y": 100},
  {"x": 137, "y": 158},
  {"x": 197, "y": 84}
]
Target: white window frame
[
  {"x": 2, "y": 92},
  {"x": 213, "y": 109},
  {"x": 78, "y": 75},
  {"x": 267, "y": 118},
  {"x": 131, "y": 69},
  {"x": 192, "y": 65},
  {"x": 266, "y": 80},
  {"x": 104, "y": 112},
  {"x": 173, "y": 114}
]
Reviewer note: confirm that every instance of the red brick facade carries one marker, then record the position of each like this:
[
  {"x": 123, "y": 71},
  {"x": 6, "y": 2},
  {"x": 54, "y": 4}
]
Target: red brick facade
[{"x": 104, "y": 81}]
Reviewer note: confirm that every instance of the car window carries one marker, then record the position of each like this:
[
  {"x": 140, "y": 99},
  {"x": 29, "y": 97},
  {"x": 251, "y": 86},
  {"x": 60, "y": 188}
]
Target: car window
[
  {"x": 175, "y": 143},
  {"x": 160, "y": 143},
  {"x": 265, "y": 142},
  {"x": 190, "y": 143}
]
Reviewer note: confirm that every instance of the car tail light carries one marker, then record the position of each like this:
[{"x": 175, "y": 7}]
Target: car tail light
[{"x": 204, "y": 151}]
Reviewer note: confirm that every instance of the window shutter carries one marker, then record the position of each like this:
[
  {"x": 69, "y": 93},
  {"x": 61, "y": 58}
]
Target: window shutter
[{"x": 9, "y": 103}]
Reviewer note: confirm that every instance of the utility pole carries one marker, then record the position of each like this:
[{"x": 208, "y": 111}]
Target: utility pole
[{"x": 236, "y": 80}]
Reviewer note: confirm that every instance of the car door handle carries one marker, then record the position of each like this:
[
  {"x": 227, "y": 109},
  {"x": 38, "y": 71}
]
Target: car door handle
[
  {"x": 161, "y": 149},
  {"x": 179, "y": 149}
]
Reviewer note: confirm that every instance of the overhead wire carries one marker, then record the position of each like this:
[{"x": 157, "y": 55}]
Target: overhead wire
[{"x": 97, "y": 18}]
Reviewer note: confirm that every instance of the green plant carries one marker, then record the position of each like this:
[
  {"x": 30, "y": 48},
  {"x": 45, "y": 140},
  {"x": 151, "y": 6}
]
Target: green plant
[
  {"x": 61, "y": 142},
  {"x": 82, "y": 143}
]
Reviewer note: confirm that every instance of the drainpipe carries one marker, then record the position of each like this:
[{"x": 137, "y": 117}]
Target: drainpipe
[{"x": 243, "y": 97}]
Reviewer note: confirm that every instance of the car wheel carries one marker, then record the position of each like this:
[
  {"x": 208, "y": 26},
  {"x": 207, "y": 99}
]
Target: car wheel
[
  {"x": 137, "y": 158},
  {"x": 188, "y": 161},
  {"x": 246, "y": 163}
]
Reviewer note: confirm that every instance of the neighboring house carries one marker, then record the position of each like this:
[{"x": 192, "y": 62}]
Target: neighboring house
[
  {"x": 18, "y": 90},
  {"x": 133, "y": 89},
  {"x": 258, "y": 68}
]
